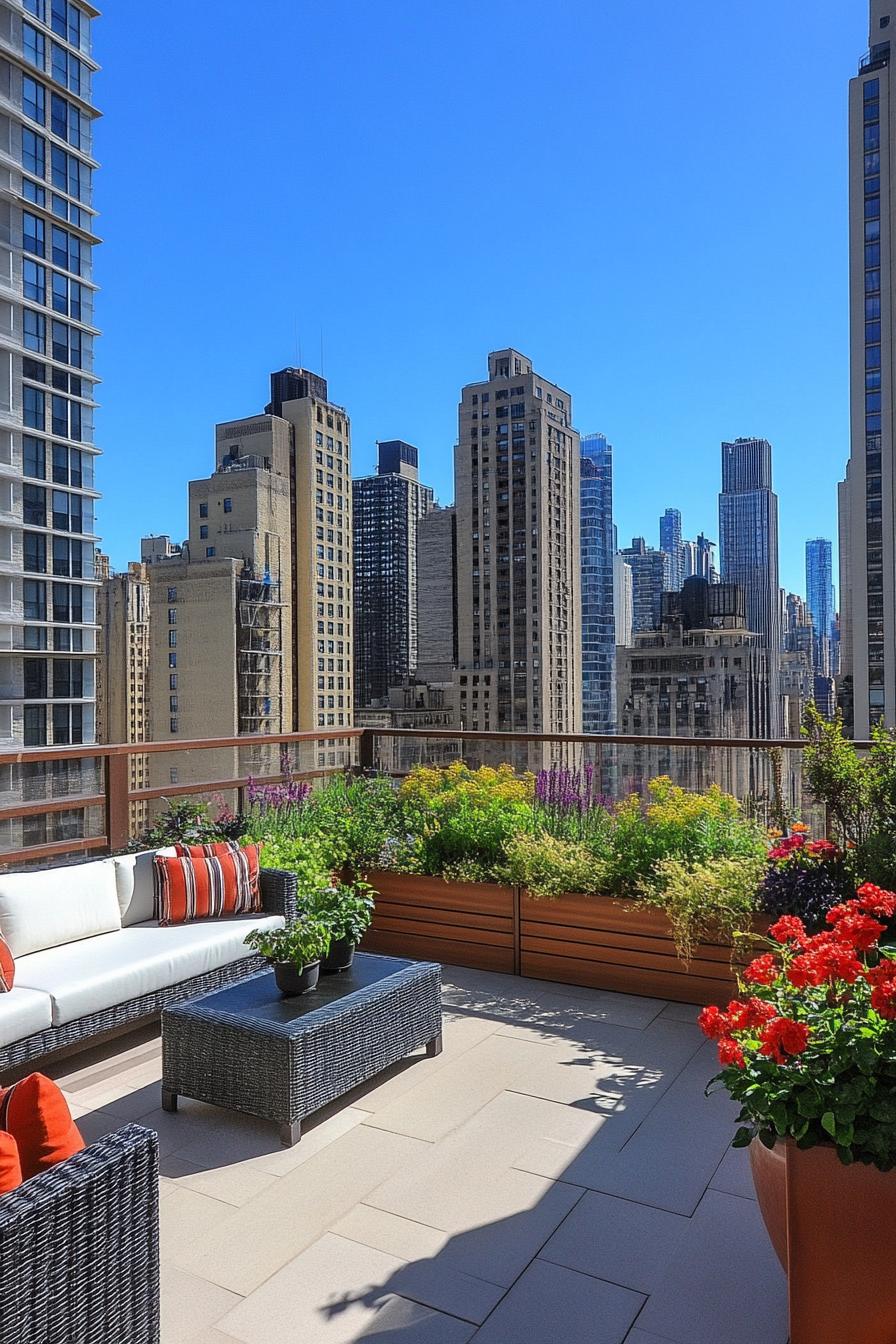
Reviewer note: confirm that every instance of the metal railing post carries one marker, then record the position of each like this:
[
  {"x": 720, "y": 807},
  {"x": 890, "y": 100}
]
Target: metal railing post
[
  {"x": 366, "y": 750},
  {"x": 118, "y": 811}
]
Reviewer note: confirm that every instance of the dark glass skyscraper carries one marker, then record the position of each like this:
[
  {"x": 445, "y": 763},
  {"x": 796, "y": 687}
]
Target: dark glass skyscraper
[
  {"x": 648, "y": 575},
  {"x": 598, "y": 628},
  {"x": 820, "y": 600},
  {"x": 748, "y": 537},
  {"x": 670, "y": 545},
  {"x": 386, "y": 509}
]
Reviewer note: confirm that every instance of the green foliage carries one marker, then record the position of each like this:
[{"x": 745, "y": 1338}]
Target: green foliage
[
  {"x": 549, "y": 866},
  {"x": 188, "y": 821},
  {"x": 706, "y": 899},
  {"x": 460, "y": 821},
  {"x": 345, "y": 908},
  {"x": 350, "y": 817},
  {"x": 302, "y": 943},
  {"x": 306, "y": 857},
  {"x": 859, "y": 792}
]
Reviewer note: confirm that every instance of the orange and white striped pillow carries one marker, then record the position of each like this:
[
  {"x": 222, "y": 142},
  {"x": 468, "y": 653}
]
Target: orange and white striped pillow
[
  {"x": 7, "y": 967},
  {"x": 207, "y": 886}
]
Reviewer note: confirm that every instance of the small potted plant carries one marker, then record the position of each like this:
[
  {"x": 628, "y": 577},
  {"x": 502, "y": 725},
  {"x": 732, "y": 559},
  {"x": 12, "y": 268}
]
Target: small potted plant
[
  {"x": 809, "y": 1052},
  {"x": 294, "y": 952},
  {"x": 347, "y": 911}
]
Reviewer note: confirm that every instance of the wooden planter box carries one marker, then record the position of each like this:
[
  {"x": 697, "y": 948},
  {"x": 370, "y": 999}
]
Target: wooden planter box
[
  {"x": 609, "y": 944},
  {"x": 463, "y": 923}
]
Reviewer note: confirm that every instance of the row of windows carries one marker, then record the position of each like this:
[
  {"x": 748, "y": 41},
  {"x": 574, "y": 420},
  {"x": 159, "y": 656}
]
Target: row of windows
[
  {"x": 67, "y": 173},
  {"x": 68, "y": 466},
  {"x": 64, "y": 680},
  {"x": 57, "y": 509},
  {"x": 65, "y": 250},
  {"x": 871, "y": 118},
  {"x": 65, "y": 639},
  {"x": 66, "y": 120},
  {"x": 65, "y": 67},
  {"x": 68, "y": 725},
  {"x": 203, "y": 509},
  {"x": 57, "y": 555},
  {"x": 65, "y": 19},
  {"x": 62, "y": 208},
  {"x": 53, "y": 412},
  {"x": 68, "y": 602},
  {"x": 65, "y": 344},
  {"x": 66, "y": 296}
]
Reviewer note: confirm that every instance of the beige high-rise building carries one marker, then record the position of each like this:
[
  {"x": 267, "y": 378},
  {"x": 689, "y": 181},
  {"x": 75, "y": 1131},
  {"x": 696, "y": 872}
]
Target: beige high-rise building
[
  {"x": 251, "y": 628},
  {"x": 123, "y": 668},
  {"x": 516, "y": 469}
]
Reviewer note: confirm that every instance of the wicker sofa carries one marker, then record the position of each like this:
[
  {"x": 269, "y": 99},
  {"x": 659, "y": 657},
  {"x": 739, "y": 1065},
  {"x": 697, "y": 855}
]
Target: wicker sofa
[
  {"x": 79, "y": 1248},
  {"x": 91, "y": 959}
]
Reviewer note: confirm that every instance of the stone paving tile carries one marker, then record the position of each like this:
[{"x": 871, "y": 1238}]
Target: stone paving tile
[
  {"x": 671, "y": 1157},
  {"x": 187, "y": 1219},
  {"x": 681, "y": 1012},
  {"x": 234, "y": 1184},
  {"x": 733, "y": 1175},
  {"x": 723, "y": 1281},
  {"x": 617, "y": 1240},
  {"x": 543, "y": 1004},
  {"x": 553, "y": 1305},
  {"x": 339, "y": 1292},
  {"x": 190, "y": 1305},
  {"x": 291, "y": 1214},
  {"x": 637, "y": 1336}
]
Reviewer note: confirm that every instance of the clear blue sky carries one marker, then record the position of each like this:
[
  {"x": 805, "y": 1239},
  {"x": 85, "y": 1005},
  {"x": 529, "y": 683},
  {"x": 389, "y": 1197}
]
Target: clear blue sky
[{"x": 648, "y": 199}]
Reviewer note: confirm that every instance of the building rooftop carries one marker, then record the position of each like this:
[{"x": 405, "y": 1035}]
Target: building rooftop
[{"x": 556, "y": 1174}]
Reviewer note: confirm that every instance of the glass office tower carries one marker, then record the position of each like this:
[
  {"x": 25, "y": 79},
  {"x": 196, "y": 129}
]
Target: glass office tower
[{"x": 598, "y": 625}]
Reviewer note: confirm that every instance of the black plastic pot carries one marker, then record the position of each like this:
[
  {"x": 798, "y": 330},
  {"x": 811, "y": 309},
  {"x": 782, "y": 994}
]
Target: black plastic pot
[
  {"x": 293, "y": 980},
  {"x": 339, "y": 957}
]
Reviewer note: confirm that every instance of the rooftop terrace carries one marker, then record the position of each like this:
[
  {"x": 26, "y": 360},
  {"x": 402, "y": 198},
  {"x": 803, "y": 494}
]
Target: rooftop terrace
[{"x": 556, "y": 1174}]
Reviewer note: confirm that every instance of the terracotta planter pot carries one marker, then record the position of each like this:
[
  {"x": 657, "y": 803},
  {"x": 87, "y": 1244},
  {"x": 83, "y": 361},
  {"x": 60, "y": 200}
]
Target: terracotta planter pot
[{"x": 839, "y": 1242}]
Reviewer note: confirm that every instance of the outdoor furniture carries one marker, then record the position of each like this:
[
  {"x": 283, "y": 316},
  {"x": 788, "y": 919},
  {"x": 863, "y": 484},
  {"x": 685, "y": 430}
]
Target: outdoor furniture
[
  {"x": 96, "y": 961},
  {"x": 79, "y": 1247},
  {"x": 251, "y": 1049}
]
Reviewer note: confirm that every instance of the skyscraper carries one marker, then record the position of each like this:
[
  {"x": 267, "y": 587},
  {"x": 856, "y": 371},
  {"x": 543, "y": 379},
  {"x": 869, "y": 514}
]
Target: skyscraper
[
  {"x": 386, "y": 510},
  {"x": 623, "y": 599},
  {"x": 122, "y": 670},
  {"x": 748, "y": 536},
  {"x": 820, "y": 601},
  {"x": 598, "y": 624},
  {"x": 437, "y": 595},
  {"x": 47, "y": 541},
  {"x": 648, "y": 569},
  {"x": 670, "y": 545},
  {"x": 869, "y": 500},
  {"x": 516, "y": 469}
]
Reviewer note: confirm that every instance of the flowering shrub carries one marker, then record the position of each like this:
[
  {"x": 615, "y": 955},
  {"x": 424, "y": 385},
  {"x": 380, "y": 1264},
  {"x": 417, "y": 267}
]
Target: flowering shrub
[
  {"x": 427, "y": 784},
  {"x": 804, "y": 877},
  {"x": 550, "y": 866},
  {"x": 810, "y": 1049},
  {"x": 569, "y": 804}
]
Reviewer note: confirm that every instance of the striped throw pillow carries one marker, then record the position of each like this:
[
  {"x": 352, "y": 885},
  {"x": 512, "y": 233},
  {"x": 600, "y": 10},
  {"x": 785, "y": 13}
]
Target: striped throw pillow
[
  {"x": 7, "y": 967},
  {"x": 207, "y": 886}
]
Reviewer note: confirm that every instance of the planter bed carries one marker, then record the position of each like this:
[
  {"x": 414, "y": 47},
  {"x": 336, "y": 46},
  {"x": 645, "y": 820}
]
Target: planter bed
[
  {"x": 608, "y": 944},
  {"x": 462, "y": 923}
]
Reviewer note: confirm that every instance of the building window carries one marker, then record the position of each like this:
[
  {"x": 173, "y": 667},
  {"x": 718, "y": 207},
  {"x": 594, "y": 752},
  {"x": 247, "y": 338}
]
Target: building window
[
  {"x": 172, "y": 682},
  {"x": 209, "y": 552},
  {"x": 203, "y": 509},
  {"x": 35, "y": 725},
  {"x": 172, "y": 615},
  {"x": 172, "y": 703},
  {"x": 228, "y": 505},
  {"x": 172, "y": 639},
  {"x": 173, "y": 725},
  {"x": 203, "y": 531},
  {"x": 172, "y": 660},
  {"x": 172, "y": 594}
]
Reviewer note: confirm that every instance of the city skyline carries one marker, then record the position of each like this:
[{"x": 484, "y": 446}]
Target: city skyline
[{"x": 742, "y": 381}]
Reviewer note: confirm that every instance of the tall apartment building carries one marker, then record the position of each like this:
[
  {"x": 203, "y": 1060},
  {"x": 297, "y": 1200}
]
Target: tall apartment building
[
  {"x": 387, "y": 509},
  {"x": 516, "y": 469},
  {"x": 623, "y": 600},
  {"x": 47, "y": 450},
  {"x": 437, "y": 595},
  {"x": 702, "y": 673},
  {"x": 820, "y": 601},
  {"x": 598, "y": 622},
  {"x": 748, "y": 535},
  {"x": 868, "y": 503},
  {"x": 648, "y": 568},
  {"x": 699, "y": 559},
  {"x": 122, "y": 669},
  {"x": 671, "y": 546}
]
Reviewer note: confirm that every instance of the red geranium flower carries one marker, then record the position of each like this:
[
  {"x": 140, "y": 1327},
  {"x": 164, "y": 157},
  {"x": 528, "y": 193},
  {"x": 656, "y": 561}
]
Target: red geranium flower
[
  {"x": 857, "y": 928},
  {"x": 825, "y": 963},
  {"x": 877, "y": 901},
  {"x": 883, "y": 999},
  {"x": 752, "y": 1013},
  {"x": 713, "y": 1022},
  {"x": 884, "y": 973},
  {"x": 784, "y": 1037},
  {"x": 788, "y": 928},
  {"x": 762, "y": 970},
  {"x": 822, "y": 849},
  {"x": 731, "y": 1053}
]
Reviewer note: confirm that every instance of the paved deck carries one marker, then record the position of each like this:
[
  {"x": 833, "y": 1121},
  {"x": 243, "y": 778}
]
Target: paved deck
[{"x": 556, "y": 1176}]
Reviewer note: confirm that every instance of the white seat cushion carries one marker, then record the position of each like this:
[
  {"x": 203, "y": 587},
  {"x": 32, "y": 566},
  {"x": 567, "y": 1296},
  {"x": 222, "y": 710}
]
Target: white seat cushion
[
  {"x": 85, "y": 978},
  {"x": 22, "y": 1012},
  {"x": 58, "y": 905},
  {"x": 135, "y": 884}
]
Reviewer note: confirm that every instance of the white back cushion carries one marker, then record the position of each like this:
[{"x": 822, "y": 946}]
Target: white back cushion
[
  {"x": 58, "y": 905},
  {"x": 134, "y": 881}
]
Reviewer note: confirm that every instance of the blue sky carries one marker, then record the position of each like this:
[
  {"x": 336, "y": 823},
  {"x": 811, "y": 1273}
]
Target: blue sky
[{"x": 648, "y": 199}]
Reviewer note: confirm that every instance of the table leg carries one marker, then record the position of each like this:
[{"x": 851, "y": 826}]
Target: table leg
[
  {"x": 169, "y": 1100},
  {"x": 290, "y": 1134},
  {"x": 434, "y": 1047}
]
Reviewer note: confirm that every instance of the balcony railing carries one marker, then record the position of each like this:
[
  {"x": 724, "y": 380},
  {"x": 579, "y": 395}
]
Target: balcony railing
[{"x": 71, "y": 801}]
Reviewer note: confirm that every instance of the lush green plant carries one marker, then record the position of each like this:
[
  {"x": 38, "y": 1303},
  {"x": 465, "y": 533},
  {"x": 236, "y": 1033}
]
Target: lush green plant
[
  {"x": 349, "y": 817},
  {"x": 460, "y": 821},
  {"x": 549, "y": 866},
  {"x": 568, "y": 804},
  {"x": 705, "y": 900},
  {"x": 345, "y": 908},
  {"x": 811, "y": 1053},
  {"x": 301, "y": 943},
  {"x": 188, "y": 821},
  {"x": 307, "y": 858},
  {"x": 426, "y": 785}
]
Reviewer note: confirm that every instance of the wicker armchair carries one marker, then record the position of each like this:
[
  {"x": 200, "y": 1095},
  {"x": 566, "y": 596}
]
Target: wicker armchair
[{"x": 79, "y": 1248}]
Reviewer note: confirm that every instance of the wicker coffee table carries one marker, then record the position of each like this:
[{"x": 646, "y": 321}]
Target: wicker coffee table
[{"x": 250, "y": 1049}]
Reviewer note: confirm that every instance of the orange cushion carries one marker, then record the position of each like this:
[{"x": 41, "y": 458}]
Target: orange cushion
[
  {"x": 36, "y": 1114},
  {"x": 207, "y": 886},
  {"x": 7, "y": 967},
  {"x": 10, "y": 1164}
]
